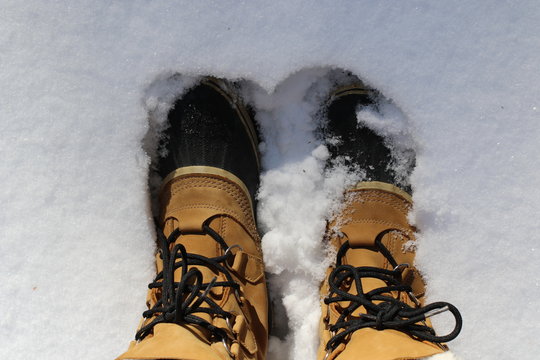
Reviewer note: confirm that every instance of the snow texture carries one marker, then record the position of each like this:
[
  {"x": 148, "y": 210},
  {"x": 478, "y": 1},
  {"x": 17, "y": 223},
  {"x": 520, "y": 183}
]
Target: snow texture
[{"x": 85, "y": 86}]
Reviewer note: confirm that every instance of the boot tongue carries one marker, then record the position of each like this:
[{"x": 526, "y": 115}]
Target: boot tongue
[
  {"x": 369, "y": 256},
  {"x": 361, "y": 238},
  {"x": 206, "y": 246},
  {"x": 200, "y": 244}
]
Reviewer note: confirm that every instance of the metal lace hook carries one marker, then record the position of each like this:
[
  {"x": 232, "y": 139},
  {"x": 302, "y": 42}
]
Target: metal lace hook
[
  {"x": 328, "y": 352},
  {"x": 232, "y": 247},
  {"x": 228, "y": 321},
  {"x": 227, "y": 348},
  {"x": 401, "y": 267},
  {"x": 238, "y": 298}
]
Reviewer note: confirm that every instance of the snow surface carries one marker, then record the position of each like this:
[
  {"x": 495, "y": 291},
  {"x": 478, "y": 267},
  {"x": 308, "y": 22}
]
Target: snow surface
[{"x": 81, "y": 87}]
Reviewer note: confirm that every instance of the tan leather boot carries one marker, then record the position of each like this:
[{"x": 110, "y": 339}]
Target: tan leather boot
[
  {"x": 209, "y": 298},
  {"x": 213, "y": 305},
  {"x": 373, "y": 298},
  {"x": 373, "y": 306}
]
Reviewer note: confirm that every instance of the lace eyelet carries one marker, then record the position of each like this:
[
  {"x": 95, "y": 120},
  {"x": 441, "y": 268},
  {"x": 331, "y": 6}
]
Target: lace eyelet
[
  {"x": 229, "y": 262},
  {"x": 328, "y": 352},
  {"x": 227, "y": 348},
  {"x": 232, "y": 247},
  {"x": 238, "y": 298},
  {"x": 401, "y": 267},
  {"x": 228, "y": 321}
]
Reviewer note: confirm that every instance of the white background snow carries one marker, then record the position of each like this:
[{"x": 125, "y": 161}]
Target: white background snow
[{"x": 76, "y": 236}]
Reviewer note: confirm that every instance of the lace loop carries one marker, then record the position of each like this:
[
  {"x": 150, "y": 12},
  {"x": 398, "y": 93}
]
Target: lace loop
[
  {"x": 382, "y": 309},
  {"x": 181, "y": 301}
]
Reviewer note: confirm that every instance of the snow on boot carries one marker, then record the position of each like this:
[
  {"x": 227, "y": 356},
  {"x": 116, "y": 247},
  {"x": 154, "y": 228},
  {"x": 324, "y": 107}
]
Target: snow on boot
[
  {"x": 209, "y": 298},
  {"x": 373, "y": 307}
]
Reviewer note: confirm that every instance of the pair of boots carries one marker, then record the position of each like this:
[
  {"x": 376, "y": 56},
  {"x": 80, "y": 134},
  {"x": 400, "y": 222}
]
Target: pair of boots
[{"x": 209, "y": 300}]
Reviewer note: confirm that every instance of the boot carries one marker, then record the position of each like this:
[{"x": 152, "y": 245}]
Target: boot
[
  {"x": 209, "y": 298},
  {"x": 373, "y": 298}
]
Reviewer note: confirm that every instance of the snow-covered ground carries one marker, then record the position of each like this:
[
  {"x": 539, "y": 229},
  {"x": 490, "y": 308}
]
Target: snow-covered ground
[{"x": 78, "y": 80}]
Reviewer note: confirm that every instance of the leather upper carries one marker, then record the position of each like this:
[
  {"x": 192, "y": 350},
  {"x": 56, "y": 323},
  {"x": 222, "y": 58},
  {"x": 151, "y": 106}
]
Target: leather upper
[
  {"x": 368, "y": 212},
  {"x": 191, "y": 200}
]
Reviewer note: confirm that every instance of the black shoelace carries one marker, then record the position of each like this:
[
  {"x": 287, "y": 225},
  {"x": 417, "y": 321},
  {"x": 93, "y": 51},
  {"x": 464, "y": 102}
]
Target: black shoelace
[
  {"x": 388, "y": 312},
  {"x": 180, "y": 301}
]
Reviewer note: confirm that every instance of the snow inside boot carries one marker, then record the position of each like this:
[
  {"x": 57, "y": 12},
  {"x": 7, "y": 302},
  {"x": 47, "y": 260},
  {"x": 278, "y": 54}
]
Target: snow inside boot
[
  {"x": 209, "y": 298},
  {"x": 373, "y": 307}
]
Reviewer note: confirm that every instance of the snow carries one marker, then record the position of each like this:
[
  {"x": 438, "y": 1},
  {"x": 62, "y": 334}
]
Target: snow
[{"x": 85, "y": 85}]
